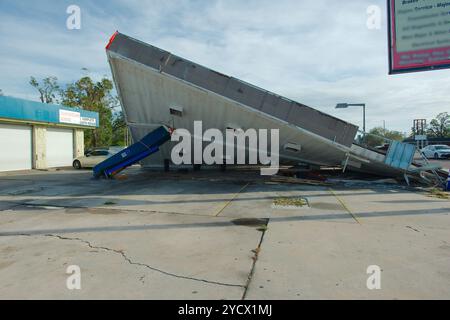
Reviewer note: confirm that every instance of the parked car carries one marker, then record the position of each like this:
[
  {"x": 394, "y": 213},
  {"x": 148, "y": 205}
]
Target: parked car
[
  {"x": 440, "y": 151},
  {"x": 113, "y": 149},
  {"x": 94, "y": 157}
]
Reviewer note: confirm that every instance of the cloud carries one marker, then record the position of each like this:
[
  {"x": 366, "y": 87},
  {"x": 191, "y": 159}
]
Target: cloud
[{"x": 318, "y": 52}]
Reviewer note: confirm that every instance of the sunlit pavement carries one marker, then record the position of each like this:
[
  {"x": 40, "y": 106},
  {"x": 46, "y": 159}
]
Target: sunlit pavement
[{"x": 215, "y": 235}]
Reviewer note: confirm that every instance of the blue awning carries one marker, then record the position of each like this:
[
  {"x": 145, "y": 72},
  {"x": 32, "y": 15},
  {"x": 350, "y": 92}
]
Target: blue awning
[{"x": 32, "y": 111}]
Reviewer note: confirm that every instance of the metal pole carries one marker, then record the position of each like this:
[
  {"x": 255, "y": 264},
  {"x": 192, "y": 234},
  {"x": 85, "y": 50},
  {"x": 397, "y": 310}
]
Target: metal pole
[{"x": 364, "y": 116}]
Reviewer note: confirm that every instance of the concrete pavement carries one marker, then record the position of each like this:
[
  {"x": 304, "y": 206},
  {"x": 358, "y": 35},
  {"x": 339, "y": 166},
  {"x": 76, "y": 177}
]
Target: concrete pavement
[
  {"x": 203, "y": 236},
  {"x": 407, "y": 235}
]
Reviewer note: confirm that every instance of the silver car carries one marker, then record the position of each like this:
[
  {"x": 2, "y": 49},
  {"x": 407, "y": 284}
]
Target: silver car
[
  {"x": 440, "y": 151},
  {"x": 94, "y": 157}
]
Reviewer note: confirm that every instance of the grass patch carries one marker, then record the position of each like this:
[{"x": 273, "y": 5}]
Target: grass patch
[
  {"x": 262, "y": 228},
  {"x": 290, "y": 202},
  {"x": 437, "y": 193}
]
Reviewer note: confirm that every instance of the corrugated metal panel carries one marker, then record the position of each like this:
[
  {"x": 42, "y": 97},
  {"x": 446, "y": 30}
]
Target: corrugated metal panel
[{"x": 400, "y": 155}]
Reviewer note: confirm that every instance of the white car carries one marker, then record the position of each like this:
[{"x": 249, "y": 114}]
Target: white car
[
  {"x": 94, "y": 157},
  {"x": 440, "y": 151}
]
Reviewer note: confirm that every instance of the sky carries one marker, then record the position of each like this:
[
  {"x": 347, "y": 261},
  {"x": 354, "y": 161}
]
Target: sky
[{"x": 317, "y": 52}]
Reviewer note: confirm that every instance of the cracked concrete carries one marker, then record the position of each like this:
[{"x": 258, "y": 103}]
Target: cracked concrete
[
  {"x": 126, "y": 258},
  {"x": 255, "y": 260},
  {"x": 209, "y": 260},
  {"x": 161, "y": 237},
  {"x": 103, "y": 275}
]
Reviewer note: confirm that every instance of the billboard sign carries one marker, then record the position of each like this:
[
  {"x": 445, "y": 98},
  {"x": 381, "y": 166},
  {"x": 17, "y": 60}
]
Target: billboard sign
[{"x": 419, "y": 35}]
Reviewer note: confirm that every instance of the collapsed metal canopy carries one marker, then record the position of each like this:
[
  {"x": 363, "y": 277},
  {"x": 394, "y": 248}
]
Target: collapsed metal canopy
[
  {"x": 156, "y": 87},
  {"x": 151, "y": 81}
]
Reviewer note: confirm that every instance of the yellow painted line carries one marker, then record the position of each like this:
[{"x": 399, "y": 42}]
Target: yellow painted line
[
  {"x": 231, "y": 200},
  {"x": 344, "y": 205}
]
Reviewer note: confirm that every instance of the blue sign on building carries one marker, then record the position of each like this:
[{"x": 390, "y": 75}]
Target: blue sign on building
[{"x": 31, "y": 111}]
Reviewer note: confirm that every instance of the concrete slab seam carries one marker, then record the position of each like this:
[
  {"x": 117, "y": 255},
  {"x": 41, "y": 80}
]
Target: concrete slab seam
[
  {"x": 232, "y": 199},
  {"x": 344, "y": 206}
]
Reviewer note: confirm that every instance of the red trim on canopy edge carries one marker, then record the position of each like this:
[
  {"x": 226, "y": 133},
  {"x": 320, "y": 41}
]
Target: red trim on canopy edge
[{"x": 111, "y": 40}]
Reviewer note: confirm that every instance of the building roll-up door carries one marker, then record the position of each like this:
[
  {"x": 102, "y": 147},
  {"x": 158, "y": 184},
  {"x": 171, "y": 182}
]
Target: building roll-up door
[
  {"x": 15, "y": 147},
  {"x": 59, "y": 147}
]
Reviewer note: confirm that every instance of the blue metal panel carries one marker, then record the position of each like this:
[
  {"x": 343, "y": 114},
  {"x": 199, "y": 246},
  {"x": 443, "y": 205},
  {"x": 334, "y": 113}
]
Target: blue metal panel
[
  {"x": 400, "y": 155},
  {"x": 26, "y": 110},
  {"x": 131, "y": 161},
  {"x": 133, "y": 154}
]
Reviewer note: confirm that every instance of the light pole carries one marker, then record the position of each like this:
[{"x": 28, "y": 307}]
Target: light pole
[{"x": 346, "y": 105}]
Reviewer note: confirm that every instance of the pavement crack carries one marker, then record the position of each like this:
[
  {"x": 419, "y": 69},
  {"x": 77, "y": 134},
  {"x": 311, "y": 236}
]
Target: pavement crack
[
  {"x": 256, "y": 252},
  {"x": 414, "y": 229},
  {"x": 134, "y": 263}
]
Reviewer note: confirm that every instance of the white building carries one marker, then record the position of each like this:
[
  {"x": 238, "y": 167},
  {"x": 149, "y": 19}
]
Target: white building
[{"x": 35, "y": 135}]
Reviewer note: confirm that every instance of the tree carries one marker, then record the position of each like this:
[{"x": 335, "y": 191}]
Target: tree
[
  {"x": 93, "y": 96},
  {"x": 1, "y": 92},
  {"x": 88, "y": 95},
  {"x": 120, "y": 130},
  {"x": 440, "y": 126},
  {"x": 375, "y": 137},
  {"x": 48, "y": 90}
]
